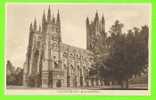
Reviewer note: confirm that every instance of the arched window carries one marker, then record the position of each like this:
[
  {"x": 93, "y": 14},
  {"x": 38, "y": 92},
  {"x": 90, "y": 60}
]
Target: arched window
[{"x": 56, "y": 65}]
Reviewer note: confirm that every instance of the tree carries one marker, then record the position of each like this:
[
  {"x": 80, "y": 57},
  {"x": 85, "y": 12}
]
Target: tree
[
  {"x": 14, "y": 75},
  {"x": 128, "y": 53},
  {"x": 10, "y": 77},
  {"x": 19, "y": 76}
]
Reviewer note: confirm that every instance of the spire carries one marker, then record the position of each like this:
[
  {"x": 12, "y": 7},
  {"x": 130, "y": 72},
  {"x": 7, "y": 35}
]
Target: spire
[
  {"x": 103, "y": 19},
  {"x": 31, "y": 27},
  {"x": 87, "y": 21},
  {"x": 43, "y": 17},
  {"x": 43, "y": 21},
  {"x": 53, "y": 19},
  {"x": 49, "y": 14},
  {"x": 103, "y": 23},
  {"x": 35, "y": 24},
  {"x": 96, "y": 16},
  {"x": 96, "y": 22},
  {"x": 58, "y": 17},
  {"x": 87, "y": 27},
  {"x": 58, "y": 22}
]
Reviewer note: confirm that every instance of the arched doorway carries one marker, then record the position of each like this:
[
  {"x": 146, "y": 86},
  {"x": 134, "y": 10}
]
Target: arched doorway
[{"x": 58, "y": 83}]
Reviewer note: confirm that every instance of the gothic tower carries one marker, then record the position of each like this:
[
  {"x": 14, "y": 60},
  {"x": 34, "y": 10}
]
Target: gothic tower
[
  {"x": 51, "y": 48},
  {"x": 95, "y": 34},
  {"x": 43, "y": 55}
]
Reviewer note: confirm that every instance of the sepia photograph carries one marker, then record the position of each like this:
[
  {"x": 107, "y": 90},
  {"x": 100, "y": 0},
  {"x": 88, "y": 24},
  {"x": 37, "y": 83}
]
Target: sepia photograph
[{"x": 77, "y": 49}]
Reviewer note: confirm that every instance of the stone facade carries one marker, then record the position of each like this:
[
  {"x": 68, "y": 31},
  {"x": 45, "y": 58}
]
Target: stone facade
[{"x": 53, "y": 64}]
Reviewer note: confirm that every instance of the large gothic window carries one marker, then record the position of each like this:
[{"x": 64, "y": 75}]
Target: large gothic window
[{"x": 35, "y": 59}]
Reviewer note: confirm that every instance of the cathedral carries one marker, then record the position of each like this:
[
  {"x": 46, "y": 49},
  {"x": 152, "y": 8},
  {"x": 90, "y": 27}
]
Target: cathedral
[{"x": 50, "y": 63}]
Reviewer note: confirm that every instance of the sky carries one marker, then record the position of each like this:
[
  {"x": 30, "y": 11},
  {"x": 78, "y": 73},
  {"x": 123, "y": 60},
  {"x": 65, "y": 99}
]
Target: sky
[{"x": 73, "y": 27}]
